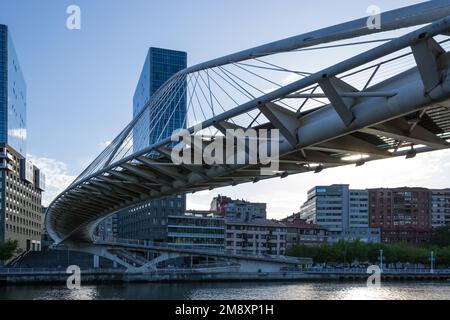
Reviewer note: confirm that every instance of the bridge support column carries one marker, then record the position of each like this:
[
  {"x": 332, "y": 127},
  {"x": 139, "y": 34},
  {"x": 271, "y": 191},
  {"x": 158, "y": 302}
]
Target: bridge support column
[{"x": 96, "y": 262}]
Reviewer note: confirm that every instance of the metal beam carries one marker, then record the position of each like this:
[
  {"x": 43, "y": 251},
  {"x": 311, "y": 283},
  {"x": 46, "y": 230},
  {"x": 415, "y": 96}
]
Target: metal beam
[
  {"x": 167, "y": 153},
  {"x": 332, "y": 87},
  {"x": 133, "y": 179},
  {"x": 360, "y": 94},
  {"x": 115, "y": 189},
  {"x": 123, "y": 185},
  {"x": 145, "y": 174},
  {"x": 426, "y": 54},
  {"x": 105, "y": 196},
  {"x": 282, "y": 119},
  {"x": 311, "y": 156},
  {"x": 352, "y": 145},
  {"x": 399, "y": 129},
  {"x": 167, "y": 169}
]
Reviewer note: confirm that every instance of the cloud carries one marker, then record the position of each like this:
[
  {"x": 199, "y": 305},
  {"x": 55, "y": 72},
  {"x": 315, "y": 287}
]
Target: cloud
[
  {"x": 105, "y": 144},
  {"x": 291, "y": 78},
  {"x": 57, "y": 177},
  {"x": 285, "y": 81},
  {"x": 200, "y": 200}
]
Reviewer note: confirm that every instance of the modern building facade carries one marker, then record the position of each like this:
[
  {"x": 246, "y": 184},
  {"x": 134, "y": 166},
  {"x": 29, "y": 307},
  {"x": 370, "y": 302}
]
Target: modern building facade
[
  {"x": 300, "y": 232},
  {"x": 259, "y": 237},
  {"x": 196, "y": 231},
  {"x": 344, "y": 212},
  {"x": 403, "y": 214},
  {"x": 21, "y": 183},
  {"x": 148, "y": 221},
  {"x": 440, "y": 208},
  {"x": 13, "y": 96},
  {"x": 238, "y": 209},
  {"x": 367, "y": 235},
  {"x": 107, "y": 229},
  {"x": 160, "y": 122}
]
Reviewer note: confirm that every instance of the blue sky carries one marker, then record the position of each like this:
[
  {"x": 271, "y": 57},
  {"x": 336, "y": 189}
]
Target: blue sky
[{"x": 81, "y": 83}]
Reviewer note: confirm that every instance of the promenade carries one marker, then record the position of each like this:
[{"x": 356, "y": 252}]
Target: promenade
[{"x": 42, "y": 276}]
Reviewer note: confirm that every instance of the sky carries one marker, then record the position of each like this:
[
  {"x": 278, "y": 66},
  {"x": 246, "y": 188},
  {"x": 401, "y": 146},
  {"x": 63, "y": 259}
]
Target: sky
[{"x": 81, "y": 82}]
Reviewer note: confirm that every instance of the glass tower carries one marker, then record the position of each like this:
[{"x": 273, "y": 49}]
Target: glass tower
[
  {"x": 148, "y": 221},
  {"x": 21, "y": 183},
  {"x": 161, "y": 121},
  {"x": 13, "y": 92}
]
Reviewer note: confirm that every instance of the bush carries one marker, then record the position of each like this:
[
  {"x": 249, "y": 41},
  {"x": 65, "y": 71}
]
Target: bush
[
  {"x": 8, "y": 249},
  {"x": 348, "y": 252}
]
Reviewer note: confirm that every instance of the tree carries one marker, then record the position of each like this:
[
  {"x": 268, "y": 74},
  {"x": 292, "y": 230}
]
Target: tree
[
  {"x": 8, "y": 249},
  {"x": 441, "y": 236}
]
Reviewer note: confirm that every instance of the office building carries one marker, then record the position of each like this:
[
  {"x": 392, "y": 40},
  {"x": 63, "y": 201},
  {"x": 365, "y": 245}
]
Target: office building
[
  {"x": 196, "y": 231},
  {"x": 344, "y": 212},
  {"x": 21, "y": 183},
  {"x": 403, "y": 214},
  {"x": 440, "y": 208},
  {"x": 258, "y": 237},
  {"x": 238, "y": 209},
  {"x": 148, "y": 221},
  {"x": 300, "y": 232},
  {"x": 107, "y": 229}
]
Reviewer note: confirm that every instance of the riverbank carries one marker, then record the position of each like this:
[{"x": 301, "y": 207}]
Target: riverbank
[{"x": 17, "y": 277}]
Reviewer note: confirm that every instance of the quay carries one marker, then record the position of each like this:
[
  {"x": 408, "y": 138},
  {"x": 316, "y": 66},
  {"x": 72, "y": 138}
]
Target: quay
[{"x": 59, "y": 276}]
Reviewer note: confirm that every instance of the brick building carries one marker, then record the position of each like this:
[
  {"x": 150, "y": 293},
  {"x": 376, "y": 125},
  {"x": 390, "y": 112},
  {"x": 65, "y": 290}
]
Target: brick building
[{"x": 403, "y": 214}]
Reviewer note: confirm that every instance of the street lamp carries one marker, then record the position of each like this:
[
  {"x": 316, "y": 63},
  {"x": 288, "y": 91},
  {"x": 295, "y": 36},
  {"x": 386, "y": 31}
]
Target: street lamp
[
  {"x": 381, "y": 260},
  {"x": 432, "y": 259}
]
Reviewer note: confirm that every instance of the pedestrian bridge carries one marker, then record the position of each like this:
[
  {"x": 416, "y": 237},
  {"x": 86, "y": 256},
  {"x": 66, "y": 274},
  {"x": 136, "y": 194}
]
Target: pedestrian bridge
[
  {"x": 144, "y": 256},
  {"x": 376, "y": 98}
]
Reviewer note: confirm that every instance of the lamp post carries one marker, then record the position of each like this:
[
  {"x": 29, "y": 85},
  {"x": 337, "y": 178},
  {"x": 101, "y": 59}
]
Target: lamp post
[
  {"x": 432, "y": 262},
  {"x": 381, "y": 260}
]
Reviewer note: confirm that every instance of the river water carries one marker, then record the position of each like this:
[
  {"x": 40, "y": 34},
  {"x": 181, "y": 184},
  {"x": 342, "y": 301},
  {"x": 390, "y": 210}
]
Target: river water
[{"x": 235, "y": 291}]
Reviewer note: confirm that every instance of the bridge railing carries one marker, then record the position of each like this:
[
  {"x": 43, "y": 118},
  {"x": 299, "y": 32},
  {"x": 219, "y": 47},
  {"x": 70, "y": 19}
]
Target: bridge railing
[
  {"x": 384, "y": 271},
  {"x": 33, "y": 271},
  {"x": 152, "y": 245}
]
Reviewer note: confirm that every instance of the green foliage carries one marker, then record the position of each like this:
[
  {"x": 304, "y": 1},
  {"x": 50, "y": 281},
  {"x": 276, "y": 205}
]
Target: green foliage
[
  {"x": 441, "y": 237},
  {"x": 8, "y": 250},
  {"x": 349, "y": 252}
]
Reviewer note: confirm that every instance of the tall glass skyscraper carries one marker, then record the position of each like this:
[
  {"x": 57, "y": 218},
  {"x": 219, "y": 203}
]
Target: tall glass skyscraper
[
  {"x": 21, "y": 183},
  {"x": 13, "y": 92},
  {"x": 149, "y": 221},
  {"x": 160, "y": 122}
]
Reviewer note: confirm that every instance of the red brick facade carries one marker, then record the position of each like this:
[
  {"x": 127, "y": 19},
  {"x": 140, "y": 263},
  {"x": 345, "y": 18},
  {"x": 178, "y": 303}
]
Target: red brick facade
[{"x": 403, "y": 214}]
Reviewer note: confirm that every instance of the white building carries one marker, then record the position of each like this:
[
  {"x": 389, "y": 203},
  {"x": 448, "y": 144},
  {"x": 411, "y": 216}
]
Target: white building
[
  {"x": 440, "y": 207},
  {"x": 344, "y": 212},
  {"x": 259, "y": 237}
]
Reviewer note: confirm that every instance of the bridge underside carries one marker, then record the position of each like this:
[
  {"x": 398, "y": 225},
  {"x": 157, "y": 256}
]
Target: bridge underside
[
  {"x": 405, "y": 114},
  {"x": 142, "y": 259}
]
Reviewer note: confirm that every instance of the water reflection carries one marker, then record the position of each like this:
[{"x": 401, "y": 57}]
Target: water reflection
[{"x": 235, "y": 291}]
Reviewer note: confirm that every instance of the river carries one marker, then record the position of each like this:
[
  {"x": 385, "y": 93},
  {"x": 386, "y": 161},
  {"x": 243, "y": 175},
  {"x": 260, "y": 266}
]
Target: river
[{"x": 234, "y": 291}]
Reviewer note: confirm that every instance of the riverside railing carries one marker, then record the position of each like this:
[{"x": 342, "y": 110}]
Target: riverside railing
[
  {"x": 384, "y": 271},
  {"x": 152, "y": 245},
  {"x": 33, "y": 271}
]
